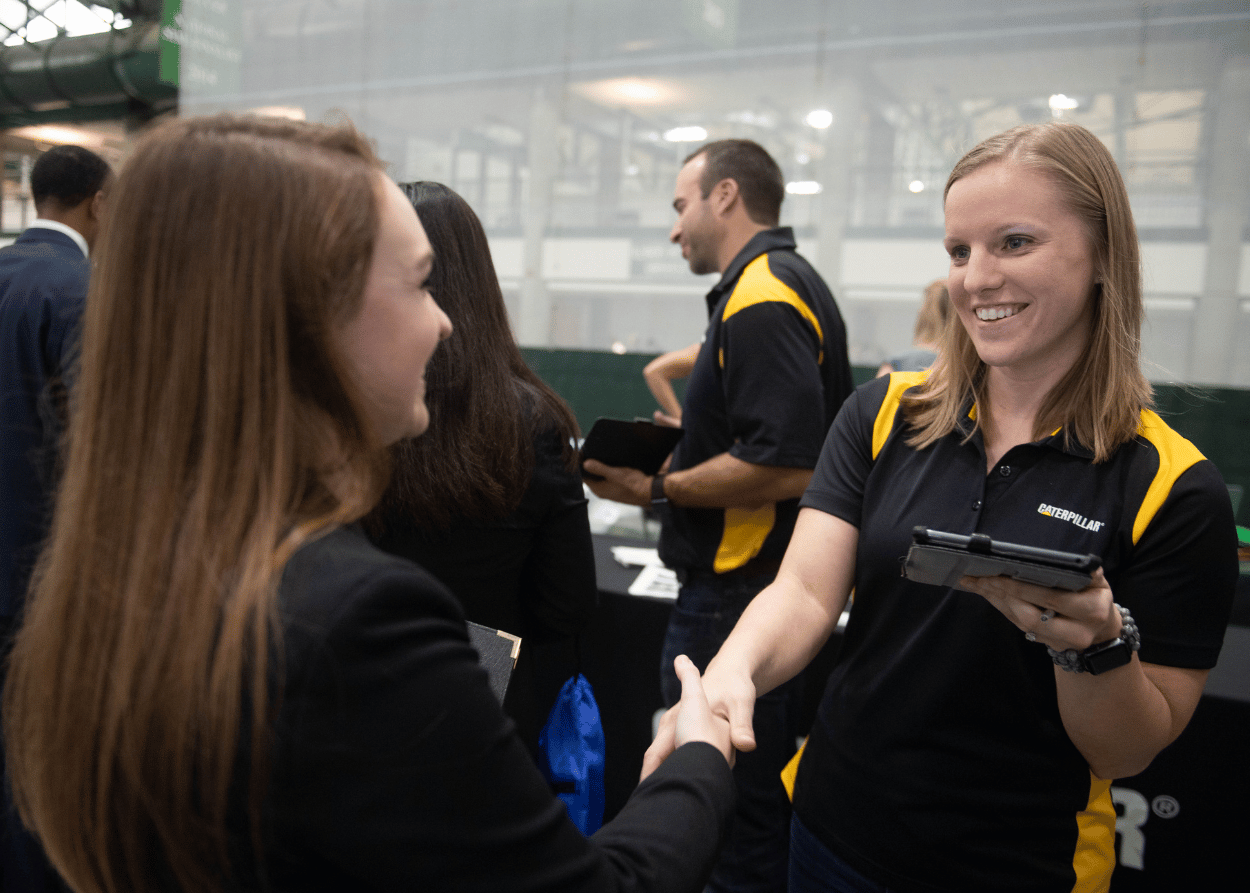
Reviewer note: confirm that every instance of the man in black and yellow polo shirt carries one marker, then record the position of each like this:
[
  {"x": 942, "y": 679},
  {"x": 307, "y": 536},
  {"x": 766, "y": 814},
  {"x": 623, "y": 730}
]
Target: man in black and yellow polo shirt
[{"x": 769, "y": 379}]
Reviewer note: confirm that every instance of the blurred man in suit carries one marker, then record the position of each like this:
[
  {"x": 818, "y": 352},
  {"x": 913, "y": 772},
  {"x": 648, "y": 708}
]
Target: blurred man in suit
[{"x": 43, "y": 289}]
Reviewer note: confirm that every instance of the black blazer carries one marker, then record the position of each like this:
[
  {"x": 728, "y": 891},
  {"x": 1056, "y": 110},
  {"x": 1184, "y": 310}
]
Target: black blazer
[
  {"x": 531, "y": 573},
  {"x": 43, "y": 288},
  {"x": 393, "y": 767}
]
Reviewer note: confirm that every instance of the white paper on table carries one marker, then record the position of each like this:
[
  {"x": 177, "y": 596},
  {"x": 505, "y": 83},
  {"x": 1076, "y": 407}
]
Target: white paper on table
[
  {"x": 656, "y": 581},
  {"x": 635, "y": 556}
]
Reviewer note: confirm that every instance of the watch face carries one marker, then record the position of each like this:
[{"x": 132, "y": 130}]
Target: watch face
[{"x": 1102, "y": 658}]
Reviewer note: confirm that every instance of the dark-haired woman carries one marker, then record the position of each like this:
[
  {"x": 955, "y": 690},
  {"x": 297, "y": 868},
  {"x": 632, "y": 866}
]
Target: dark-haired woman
[
  {"x": 489, "y": 500},
  {"x": 220, "y": 684},
  {"x": 968, "y": 735}
]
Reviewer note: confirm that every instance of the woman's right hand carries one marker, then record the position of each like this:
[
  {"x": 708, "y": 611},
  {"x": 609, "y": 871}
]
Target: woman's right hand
[{"x": 691, "y": 719}]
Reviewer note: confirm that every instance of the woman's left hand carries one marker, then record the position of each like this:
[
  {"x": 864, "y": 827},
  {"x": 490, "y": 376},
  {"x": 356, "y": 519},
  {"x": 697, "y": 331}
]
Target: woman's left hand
[
  {"x": 1118, "y": 720},
  {"x": 1055, "y": 617}
]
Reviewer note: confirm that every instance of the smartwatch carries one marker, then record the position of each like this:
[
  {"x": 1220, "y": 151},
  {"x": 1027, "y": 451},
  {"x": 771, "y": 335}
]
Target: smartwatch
[{"x": 657, "y": 490}]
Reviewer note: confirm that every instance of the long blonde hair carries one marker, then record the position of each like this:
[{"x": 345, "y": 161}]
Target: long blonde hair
[
  {"x": 210, "y": 414},
  {"x": 1099, "y": 401}
]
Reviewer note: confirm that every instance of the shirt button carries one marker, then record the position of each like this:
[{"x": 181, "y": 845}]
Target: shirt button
[
  {"x": 1005, "y": 470},
  {"x": 976, "y": 505}
]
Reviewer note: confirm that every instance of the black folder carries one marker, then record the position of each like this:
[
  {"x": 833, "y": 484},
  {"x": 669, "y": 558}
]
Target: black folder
[
  {"x": 498, "y": 652},
  {"x": 637, "y": 444}
]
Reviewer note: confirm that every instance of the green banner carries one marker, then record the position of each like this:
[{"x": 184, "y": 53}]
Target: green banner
[{"x": 171, "y": 42}]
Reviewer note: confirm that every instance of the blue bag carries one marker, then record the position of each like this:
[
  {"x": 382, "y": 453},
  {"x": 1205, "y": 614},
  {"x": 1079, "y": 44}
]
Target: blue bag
[{"x": 572, "y": 748}]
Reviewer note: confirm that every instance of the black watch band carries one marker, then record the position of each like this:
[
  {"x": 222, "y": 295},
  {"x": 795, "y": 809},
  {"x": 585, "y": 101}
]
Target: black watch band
[
  {"x": 1103, "y": 656},
  {"x": 657, "y": 489},
  {"x": 1106, "y": 656}
]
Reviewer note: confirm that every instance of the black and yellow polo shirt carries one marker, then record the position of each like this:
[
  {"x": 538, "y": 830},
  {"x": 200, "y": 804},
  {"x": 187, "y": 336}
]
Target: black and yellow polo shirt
[
  {"x": 938, "y": 758},
  {"x": 769, "y": 379}
]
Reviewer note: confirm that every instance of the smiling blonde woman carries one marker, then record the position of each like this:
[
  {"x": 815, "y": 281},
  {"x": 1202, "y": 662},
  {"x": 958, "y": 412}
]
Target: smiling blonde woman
[{"x": 968, "y": 735}]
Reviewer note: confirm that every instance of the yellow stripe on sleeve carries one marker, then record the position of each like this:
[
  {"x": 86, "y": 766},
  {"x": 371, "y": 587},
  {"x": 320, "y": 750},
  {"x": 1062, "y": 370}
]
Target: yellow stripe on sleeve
[
  {"x": 758, "y": 285},
  {"x": 1176, "y": 456},
  {"x": 899, "y": 382}
]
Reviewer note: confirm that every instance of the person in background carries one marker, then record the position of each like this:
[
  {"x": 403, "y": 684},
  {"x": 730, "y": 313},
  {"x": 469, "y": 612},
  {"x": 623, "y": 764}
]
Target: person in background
[
  {"x": 968, "y": 735},
  {"x": 659, "y": 375},
  {"x": 769, "y": 378},
  {"x": 489, "y": 500},
  {"x": 43, "y": 288},
  {"x": 219, "y": 683},
  {"x": 931, "y": 321}
]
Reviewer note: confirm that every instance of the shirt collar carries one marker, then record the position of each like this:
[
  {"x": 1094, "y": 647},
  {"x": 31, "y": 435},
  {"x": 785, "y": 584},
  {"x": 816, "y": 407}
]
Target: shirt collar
[
  {"x": 781, "y": 237},
  {"x": 74, "y": 234},
  {"x": 1054, "y": 440}
]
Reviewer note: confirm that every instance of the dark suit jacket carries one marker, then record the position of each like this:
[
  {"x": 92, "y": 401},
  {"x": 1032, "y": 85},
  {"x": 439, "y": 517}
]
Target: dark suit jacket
[
  {"x": 394, "y": 768},
  {"x": 531, "y": 574},
  {"x": 43, "y": 288}
]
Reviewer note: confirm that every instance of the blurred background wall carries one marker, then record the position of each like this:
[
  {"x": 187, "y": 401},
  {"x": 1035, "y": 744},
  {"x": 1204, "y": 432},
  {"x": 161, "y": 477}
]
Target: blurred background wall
[{"x": 564, "y": 122}]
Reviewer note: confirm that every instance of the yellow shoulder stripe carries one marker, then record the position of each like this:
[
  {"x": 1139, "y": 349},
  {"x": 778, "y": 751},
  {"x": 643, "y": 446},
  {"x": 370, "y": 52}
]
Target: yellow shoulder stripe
[
  {"x": 1176, "y": 456},
  {"x": 899, "y": 382},
  {"x": 757, "y": 285}
]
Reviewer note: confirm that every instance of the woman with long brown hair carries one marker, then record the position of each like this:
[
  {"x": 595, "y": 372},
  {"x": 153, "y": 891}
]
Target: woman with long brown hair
[
  {"x": 219, "y": 683},
  {"x": 968, "y": 735},
  {"x": 490, "y": 500}
]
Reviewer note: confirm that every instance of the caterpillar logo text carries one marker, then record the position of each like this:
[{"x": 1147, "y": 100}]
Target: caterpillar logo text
[{"x": 1079, "y": 520}]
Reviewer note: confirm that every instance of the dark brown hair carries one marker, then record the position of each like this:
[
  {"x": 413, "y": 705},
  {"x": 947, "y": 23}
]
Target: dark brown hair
[
  {"x": 485, "y": 404},
  {"x": 212, "y": 435},
  {"x": 748, "y": 164}
]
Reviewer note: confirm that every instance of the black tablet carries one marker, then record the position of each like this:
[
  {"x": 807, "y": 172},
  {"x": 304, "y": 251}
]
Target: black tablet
[
  {"x": 638, "y": 444},
  {"x": 942, "y": 558}
]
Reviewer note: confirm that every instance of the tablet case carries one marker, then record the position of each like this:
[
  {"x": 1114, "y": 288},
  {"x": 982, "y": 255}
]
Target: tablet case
[{"x": 941, "y": 558}]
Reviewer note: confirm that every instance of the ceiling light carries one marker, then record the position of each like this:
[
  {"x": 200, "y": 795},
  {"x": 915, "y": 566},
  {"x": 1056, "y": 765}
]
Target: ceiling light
[
  {"x": 1061, "y": 103},
  {"x": 803, "y": 187},
  {"x": 293, "y": 112},
  {"x": 685, "y": 135},
  {"x": 624, "y": 92},
  {"x": 61, "y": 135},
  {"x": 819, "y": 118},
  {"x": 916, "y": 186}
]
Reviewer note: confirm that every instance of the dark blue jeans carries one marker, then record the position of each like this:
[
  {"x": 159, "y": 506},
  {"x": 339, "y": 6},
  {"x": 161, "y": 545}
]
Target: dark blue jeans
[
  {"x": 756, "y": 854},
  {"x": 814, "y": 868}
]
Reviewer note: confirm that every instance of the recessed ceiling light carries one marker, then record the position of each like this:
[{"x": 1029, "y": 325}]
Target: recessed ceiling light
[
  {"x": 685, "y": 135},
  {"x": 803, "y": 187},
  {"x": 819, "y": 118},
  {"x": 916, "y": 186}
]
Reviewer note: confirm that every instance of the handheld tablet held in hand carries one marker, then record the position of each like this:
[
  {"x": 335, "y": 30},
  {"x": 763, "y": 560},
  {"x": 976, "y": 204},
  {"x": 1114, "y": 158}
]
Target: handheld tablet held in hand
[
  {"x": 941, "y": 558},
  {"x": 637, "y": 444}
]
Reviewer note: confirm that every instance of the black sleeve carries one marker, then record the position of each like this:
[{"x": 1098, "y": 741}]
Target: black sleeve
[
  {"x": 1180, "y": 583},
  {"x": 400, "y": 772},
  {"x": 773, "y": 386},
  {"x": 558, "y": 582},
  {"x": 837, "y": 486}
]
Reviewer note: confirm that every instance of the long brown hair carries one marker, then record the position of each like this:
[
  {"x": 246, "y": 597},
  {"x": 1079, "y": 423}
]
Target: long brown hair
[
  {"x": 485, "y": 403},
  {"x": 1099, "y": 401},
  {"x": 210, "y": 416}
]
